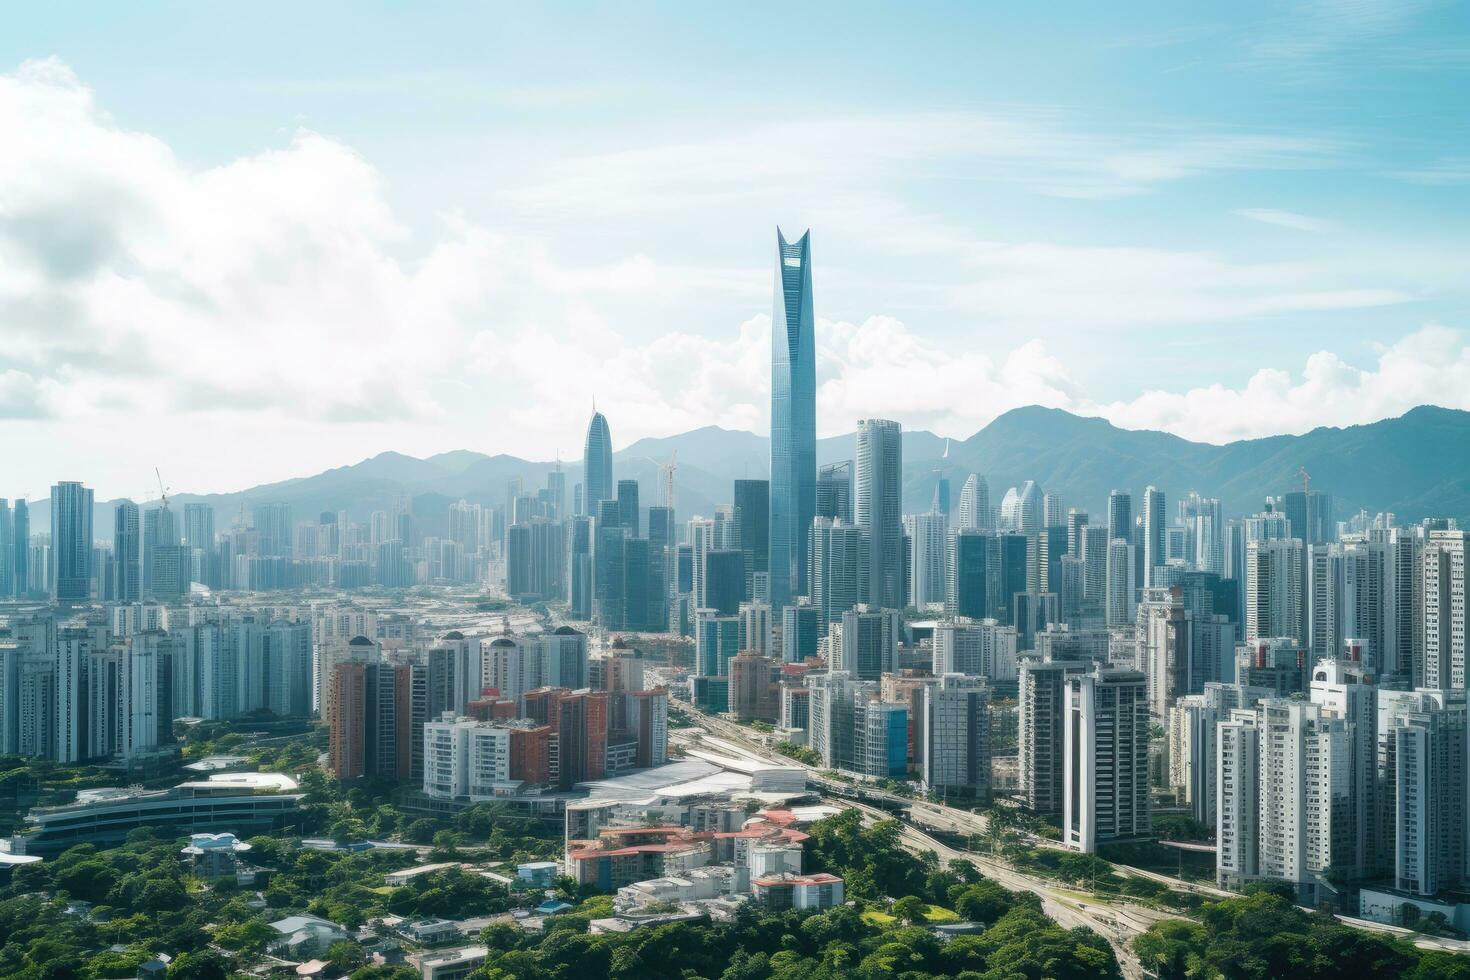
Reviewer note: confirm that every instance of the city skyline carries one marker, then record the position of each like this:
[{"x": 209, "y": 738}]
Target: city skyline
[
  {"x": 1115, "y": 239},
  {"x": 1049, "y": 559}
]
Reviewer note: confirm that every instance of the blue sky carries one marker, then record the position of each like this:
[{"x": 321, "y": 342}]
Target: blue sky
[{"x": 314, "y": 232}]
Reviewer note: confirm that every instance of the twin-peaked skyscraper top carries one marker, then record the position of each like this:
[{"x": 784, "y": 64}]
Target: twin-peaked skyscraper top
[{"x": 793, "y": 419}]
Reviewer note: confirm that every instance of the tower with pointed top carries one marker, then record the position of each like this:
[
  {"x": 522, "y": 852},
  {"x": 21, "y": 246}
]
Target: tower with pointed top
[
  {"x": 793, "y": 420},
  {"x": 597, "y": 466}
]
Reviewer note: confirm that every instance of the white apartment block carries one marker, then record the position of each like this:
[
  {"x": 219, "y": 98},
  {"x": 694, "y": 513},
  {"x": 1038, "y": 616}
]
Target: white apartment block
[
  {"x": 1105, "y": 795},
  {"x": 466, "y": 759}
]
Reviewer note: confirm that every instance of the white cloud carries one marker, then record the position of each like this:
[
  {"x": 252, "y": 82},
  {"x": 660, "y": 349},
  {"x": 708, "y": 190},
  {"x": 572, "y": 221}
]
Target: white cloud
[
  {"x": 264, "y": 304},
  {"x": 1430, "y": 365}
]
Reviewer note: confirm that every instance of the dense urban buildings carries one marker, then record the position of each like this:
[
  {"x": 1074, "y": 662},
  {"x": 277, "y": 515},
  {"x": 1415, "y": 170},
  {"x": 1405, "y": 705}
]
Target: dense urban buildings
[{"x": 1293, "y": 683}]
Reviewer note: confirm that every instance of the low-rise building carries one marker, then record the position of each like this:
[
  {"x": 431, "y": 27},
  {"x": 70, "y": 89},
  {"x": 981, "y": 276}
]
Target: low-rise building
[
  {"x": 301, "y": 937},
  {"x": 788, "y": 891},
  {"x": 452, "y": 964}
]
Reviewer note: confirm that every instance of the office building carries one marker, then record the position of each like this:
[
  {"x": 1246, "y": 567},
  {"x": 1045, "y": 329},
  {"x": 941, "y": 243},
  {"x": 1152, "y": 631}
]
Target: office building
[
  {"x": 1153, "y": 534},
  {"x": 839, "y": 568},
  {"x": 834, "y": 491},
  {"x": 1309, "y": 517},
  {"x": 754, "y": 693},
  {"x": 929, "y": 534},
  {"x": 801, "y": 630},
  {"x": 879, "y": 498},
  {"x": 974, "y": 504},
  {"x": 869, "y": 642},
  {"x": 793, "y": 490},
  {"x": 967, "y": 574},
  {"x": 597, "y": 465},
  {"x": 880, "y": 738},
  {"x": 1120, "y": 609},
  {"x": 127, "y": 555},
  {"x": 716, "y": 642},
  {"x": 955, "y": 736},
  {"x": 753, "y": 530},
  {"x": 975, "y": 648},
  {"x": 71, "y": 543}
]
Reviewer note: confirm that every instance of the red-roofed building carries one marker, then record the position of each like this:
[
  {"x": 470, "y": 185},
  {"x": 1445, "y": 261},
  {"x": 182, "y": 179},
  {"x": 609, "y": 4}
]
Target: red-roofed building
[{"x": 787, "y": 891}]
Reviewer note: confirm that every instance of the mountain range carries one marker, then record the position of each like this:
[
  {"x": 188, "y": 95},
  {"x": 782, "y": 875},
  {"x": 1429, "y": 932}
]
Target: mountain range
[{"x": 1416, "y": 465}]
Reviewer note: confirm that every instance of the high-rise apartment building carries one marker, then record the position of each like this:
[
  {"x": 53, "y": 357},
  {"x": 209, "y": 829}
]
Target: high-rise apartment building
[
  {"x": 1105, "y": 733},
  {"x": 1273, "y": 589},
  {"x": 1443, "y": 585}
]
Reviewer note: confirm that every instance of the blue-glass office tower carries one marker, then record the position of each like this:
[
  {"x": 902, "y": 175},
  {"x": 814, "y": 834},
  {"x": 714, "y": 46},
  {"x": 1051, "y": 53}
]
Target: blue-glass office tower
[
  {"x": 724, "y": 577},
  {"x": 753, "y": 518},
  {"x": 628, "y": 506},
  {"x": 71, "y": 543},
  {"x": 127, "y": 553},
  {"x": 7, "y": 550},
  {"x": 20, "y": 538},
  {"x": 878, "y": 510},
  {"x": 597, "y": 481},
  {"x": 793, "y": 420}
]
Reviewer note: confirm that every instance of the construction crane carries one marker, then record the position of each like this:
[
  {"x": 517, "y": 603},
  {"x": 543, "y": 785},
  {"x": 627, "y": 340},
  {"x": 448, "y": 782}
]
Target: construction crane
[
  {"x": 162, "y": 490},
  {"x": 1306, "y": 480}
]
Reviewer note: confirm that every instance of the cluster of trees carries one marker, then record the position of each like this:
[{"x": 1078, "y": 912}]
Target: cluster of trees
[
  {"x": 1262, "y": 935},
  {"x": 145, "y": 900},
  {"x": 801, "y": 753},
  {"x": 837, "y": 944}
]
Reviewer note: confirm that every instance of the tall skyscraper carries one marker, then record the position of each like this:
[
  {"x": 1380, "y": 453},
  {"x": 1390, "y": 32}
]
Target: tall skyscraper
[
  {"x": 927, "y": 570},
  {"x": 20, "y": 537},
  {"x": 597, "y": 482},
  {"x": 126, "y": 553},
  {"x": 839, "y": 560},
  {"x": 1444, "y": 611},
  {"x": 199, "y": 525},
  {"x": 272, "y": 530},
  {"x": 628, "y": 511},
  {"x": 7, "y": 551},
  {"x": 1273, "y": 589},
  {"x": 71, "y": 542},
  {"x": 974, "y": 503},
  {"x": 793, "y": 419},
  {"x": 1105, "y": 735},
  {"x": 1153, "y": 534},
  {"x": 1309, "y": 516},
  {"x": 879, "y": 499},
  {"x": 753, "y": 520},
  {"x": 1120, "y": 516}
]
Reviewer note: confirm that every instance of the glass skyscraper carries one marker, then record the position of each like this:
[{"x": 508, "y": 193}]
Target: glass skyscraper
[
  {"x": 879, "y": 503},
  {"x": 793, "y": 420},
  {"x": 71, "y": 543},
  {"x": 597, "y": 478}
]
